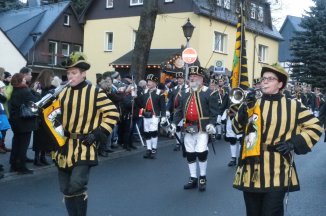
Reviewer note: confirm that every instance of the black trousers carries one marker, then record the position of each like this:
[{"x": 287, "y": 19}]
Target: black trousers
[
  {"x": 74, "y": 181},
  {"x": 264, "y": 204},
  {"x": 20, "y": 143}
]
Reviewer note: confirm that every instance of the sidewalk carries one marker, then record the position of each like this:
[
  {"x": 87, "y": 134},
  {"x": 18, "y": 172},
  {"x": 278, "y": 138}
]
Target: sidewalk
[{"x": 118, "y": 153}]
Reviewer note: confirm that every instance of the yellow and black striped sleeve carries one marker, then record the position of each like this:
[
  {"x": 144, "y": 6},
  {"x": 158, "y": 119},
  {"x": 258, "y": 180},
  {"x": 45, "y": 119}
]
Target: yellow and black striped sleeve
[
  {"x": 308, "y": 131},
  {"x": 236, "y": 126},
  {"x": 108, "y": 112}
]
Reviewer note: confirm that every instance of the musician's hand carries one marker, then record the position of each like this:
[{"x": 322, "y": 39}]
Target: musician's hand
[
  {"x": 168, "y": 114},
  {"x": 251, "y": 97},
  {"x": 96, "y": 135},
  {"x": 284, "y": 147},
  {"x": 89, "y": 139},
  {"x": 163, "y": 121},
  {"x": 210, "y": 129},
  {"x": 173, "y": 128},
  {"x": 243, "y": 115}
]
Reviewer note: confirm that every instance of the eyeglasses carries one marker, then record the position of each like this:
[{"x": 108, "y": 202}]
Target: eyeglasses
[{"x": 269, "y": 79}]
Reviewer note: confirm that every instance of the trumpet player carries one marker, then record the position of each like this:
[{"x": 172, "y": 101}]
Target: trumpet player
[
  {"x": 88, "y": 116},
  {"x": 274, "y": 128}
]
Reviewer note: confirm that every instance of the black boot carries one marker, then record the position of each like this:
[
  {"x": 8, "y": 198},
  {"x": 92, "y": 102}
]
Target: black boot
[
  {"x": 154, "y": 151},
  {"x": 218, "y": 136},
  {"x": 202, "y": 183},
  {"x": 193, "y": 183},
  {"x": 43, "y": 159},
  {"x": 232, "y": 162},
  {"x": 148, "y": 154}
]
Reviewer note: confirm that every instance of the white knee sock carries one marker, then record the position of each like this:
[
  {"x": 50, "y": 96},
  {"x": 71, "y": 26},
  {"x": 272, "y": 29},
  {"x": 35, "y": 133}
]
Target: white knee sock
[
  {"x": 202, "y": 168},
  {"x": 234, "y": 149},
  {"x": 154, "y": 142},
  {"x": 193, "y": 169}
]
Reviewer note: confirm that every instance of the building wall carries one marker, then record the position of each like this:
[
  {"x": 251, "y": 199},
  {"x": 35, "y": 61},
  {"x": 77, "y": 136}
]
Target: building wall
[
  {"x": 10, "y": 58},
  {"x": 168, "y": 34}
]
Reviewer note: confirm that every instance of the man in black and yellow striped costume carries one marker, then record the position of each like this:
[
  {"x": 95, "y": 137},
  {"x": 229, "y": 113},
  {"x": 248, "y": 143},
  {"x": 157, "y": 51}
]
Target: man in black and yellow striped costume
[
  {"x": 87, "y": 117},
  {"x": 274, "y": 127}
]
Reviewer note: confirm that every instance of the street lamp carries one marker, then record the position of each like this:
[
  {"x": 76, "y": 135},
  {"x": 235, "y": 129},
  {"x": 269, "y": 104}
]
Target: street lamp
[
  {"x": 34, "y": 36},
  {"x": 187, "y": 29}
]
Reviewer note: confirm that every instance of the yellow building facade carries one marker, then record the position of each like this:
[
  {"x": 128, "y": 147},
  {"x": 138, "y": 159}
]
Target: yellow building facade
[{"x": 206, "y": 39}]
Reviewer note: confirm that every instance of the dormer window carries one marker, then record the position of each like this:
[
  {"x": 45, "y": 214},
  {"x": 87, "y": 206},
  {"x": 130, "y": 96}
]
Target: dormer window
[
  {"x": 219, "y": 2},
  {"x": 109, "y": 3},
  {"x": 260, "y": 15},
  {"x": 253, "y": 11},
  {"x": 66, "y": 20},
  {"x": 227, "y": 4},
  {"x": 136, "y": 2}
]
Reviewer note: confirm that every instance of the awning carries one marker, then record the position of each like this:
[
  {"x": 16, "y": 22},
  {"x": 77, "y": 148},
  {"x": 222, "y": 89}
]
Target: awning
[{"x": 156, "y": 58}]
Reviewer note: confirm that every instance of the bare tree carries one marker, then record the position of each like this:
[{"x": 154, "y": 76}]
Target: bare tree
[{"x": 144, "y": 39}]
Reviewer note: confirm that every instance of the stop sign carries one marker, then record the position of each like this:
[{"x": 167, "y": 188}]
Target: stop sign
[{"x": 189, "y": 55}]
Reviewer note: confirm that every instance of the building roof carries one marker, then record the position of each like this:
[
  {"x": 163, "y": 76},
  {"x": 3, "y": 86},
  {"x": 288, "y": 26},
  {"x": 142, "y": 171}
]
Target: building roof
[
  {"x": 19, "y": 24},
  {"x": 156, "y": 57},
  {"x": 230, "y": 17},
  {"x": 295, "y": 21}
]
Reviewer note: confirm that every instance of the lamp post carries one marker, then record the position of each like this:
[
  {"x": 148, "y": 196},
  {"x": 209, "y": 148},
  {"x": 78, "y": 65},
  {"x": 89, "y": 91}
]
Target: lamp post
[
  {"x": 187, "y": 29},
  {"x": 34, "y": 36}
]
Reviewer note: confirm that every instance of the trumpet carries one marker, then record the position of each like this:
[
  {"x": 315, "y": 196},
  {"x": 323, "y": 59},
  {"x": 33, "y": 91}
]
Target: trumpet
[
  {"x": 238, "y": 95},
  {"x": 47, "y": 98}
]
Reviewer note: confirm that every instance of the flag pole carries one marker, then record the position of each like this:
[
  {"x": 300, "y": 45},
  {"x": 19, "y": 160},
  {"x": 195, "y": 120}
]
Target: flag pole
[{"x": 241, "y": 37}]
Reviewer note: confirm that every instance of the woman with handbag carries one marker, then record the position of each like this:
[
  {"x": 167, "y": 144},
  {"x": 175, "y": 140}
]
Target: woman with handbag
[{"x": 22, "y": 122}]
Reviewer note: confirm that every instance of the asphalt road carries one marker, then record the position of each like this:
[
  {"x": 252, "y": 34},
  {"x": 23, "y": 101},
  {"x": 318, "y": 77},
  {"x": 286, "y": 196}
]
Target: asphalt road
[{"x": 132, "y": 186}]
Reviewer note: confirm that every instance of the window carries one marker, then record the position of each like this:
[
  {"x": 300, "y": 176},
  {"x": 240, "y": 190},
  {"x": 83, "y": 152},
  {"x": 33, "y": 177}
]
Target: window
[
  {"x": 166, "y": 1},
  {"x": 227, "y": 4},
  {"x": 136, "y": 2},
  {"x": 219, "y": 2},
  {"x": 53, "y": 51},
  {"x": 260, "y": 15},
  {"x": 253, "y": 11},
  {"x": 76, "y": 47},
  {"x": 66, "y": 20},
  {"x": 220, "y": 42},
  {"x": 108, "y": 41},
  {"x": 65, "y": 49},
  {"x": 262, "y": 53},
  {"x": 109, "y": 3}
]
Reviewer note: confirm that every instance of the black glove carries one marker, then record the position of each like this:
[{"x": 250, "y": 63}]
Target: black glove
[
  {"x": 96, "y": 135},
  {"x": 284, "y": 147},
  {"x": 243, "y": 115},
  {"x": 89, "y": 139},
  {"x": 251, "y": 97}
]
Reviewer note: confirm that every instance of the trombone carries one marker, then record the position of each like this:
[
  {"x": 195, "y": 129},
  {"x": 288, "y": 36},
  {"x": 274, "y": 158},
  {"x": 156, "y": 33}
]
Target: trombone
[{"x": 47, "y": 98}]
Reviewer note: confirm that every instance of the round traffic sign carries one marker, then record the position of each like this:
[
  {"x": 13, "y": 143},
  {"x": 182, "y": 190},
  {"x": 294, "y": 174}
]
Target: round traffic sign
[{"x": 189, "y": 55}]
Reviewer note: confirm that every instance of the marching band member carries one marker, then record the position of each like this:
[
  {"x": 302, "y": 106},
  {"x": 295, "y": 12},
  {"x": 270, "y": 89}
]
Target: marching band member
[
  {"x": 173, "y": 103},
  {"x": 218, "y": 92},
  {"x": 273, "y": 128},
  {"x": 152, "y": 101},
  {"x": 198, "y": 108},
  {"x": 87, "y": 117}
]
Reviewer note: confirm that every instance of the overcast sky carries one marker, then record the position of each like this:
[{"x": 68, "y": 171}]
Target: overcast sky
[{"x": 291, "y": 7}]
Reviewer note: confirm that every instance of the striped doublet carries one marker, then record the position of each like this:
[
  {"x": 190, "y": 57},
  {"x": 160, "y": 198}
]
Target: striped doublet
[{"x": 282, "y": 120}]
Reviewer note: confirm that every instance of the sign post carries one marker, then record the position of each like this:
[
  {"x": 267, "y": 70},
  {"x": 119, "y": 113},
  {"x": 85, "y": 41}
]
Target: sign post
[{"x": 189, "y": 56}]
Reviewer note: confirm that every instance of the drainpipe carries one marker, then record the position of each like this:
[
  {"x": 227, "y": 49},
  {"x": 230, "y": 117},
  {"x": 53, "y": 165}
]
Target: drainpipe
[{"x": 254, "y": 58}]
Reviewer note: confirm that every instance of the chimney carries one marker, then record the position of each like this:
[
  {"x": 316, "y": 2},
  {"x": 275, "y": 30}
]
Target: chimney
[{"x": 34, "y": 3}]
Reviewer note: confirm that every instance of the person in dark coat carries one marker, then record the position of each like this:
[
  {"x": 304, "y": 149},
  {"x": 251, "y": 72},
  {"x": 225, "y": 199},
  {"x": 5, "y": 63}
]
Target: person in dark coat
[
  {"x": 41, "y": 141},
  {"x": 22, "y": 128}
]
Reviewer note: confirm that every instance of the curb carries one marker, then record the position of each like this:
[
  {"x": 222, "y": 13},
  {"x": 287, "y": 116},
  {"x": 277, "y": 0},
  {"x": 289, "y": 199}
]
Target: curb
[{"x": 119, "y": 153}]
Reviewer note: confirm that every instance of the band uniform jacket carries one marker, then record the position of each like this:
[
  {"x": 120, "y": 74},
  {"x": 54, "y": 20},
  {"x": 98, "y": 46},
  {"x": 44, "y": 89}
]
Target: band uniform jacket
[
  {"x": 173, "y": 99},
  {"x": 206, "y": 103},
  {"x": 84, "y": 108},
  {"x": 158, "y": 101},
  {"x": 282, "y": 120}
]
